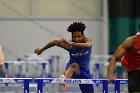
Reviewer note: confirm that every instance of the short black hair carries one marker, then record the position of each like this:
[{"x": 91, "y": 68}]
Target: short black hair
[{"x": 76, "y": 26}]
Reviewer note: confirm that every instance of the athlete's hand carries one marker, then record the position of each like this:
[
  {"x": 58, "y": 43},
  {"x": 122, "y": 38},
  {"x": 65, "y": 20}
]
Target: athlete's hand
[
  {"x": 38, "y": 51},
  {"x": 111, "y": 77}
]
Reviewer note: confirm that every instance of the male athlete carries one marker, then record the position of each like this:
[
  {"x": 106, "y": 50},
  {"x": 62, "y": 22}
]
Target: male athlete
[
  {"x": 129, "y": 50},
  {"x": 79, "y": 49}
]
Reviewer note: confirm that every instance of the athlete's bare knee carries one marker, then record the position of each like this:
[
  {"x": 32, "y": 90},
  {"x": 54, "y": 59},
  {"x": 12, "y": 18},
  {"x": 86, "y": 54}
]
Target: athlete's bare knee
[{"x": 75, "y": 65}]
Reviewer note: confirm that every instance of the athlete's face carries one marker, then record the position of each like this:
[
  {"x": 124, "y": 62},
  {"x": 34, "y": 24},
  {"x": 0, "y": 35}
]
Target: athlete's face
[{"x": 77, "y": 37}]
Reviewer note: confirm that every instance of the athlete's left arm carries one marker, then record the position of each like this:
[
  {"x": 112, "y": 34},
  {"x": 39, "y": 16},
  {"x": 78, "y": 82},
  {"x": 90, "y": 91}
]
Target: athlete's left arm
[
  {"x": 87, "y": 44},
  {"x": 1, "y": 58}
]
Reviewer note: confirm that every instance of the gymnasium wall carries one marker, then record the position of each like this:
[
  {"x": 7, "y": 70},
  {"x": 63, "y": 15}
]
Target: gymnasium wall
[
  {"x": 28, "y": 24},
  {"x": 51, "y": 8}
]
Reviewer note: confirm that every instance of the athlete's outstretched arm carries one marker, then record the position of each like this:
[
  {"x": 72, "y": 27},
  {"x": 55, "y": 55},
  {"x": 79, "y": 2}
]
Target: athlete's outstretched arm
[
  {"x": 127, "y": 44},
  {"x": 87, "y": 43},
  {"x": 58, "y": 43},
  {"x": 1, "y": 58}
]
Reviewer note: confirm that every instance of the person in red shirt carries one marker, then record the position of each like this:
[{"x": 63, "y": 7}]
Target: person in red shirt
[{"x": 129, "y": 52}]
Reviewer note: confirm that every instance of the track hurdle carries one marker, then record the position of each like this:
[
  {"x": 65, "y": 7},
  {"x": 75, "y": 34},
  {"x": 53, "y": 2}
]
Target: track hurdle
[
  {"x": 41, "y": 81},
  {"x": 25, "y": 81},
  {"x": 42, "y": 63},
  {"x": 104, "y": 82}
]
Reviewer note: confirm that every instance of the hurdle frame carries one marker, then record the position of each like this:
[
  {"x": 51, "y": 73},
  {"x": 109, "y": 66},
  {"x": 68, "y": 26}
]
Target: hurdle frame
[
  {"x": 105, "y": 83},
  {"x": 25, "y": 81},
  {"x": 41, "y": 81}
]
